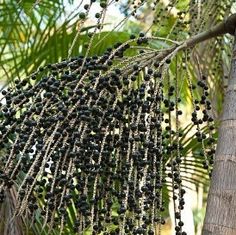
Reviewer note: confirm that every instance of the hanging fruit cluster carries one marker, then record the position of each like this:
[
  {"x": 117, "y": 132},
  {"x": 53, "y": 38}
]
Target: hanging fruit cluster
[{"x": 101, "y": 137}]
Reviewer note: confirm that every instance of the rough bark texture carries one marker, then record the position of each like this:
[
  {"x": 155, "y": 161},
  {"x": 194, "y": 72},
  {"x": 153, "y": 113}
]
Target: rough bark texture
[{"x": 220, "y": 216}]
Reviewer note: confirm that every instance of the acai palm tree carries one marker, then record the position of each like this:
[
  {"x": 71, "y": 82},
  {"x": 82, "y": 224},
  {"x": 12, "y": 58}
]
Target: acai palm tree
[{"x": 110, "y": 109}]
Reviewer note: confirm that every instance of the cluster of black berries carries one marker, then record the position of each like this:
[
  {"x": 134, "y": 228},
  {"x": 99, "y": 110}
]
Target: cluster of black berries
[
  {"x": 88, "y": 135},
  {"x": 202, "y": 116}
]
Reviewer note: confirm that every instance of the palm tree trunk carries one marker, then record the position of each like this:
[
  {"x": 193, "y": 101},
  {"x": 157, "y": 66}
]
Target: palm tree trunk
[{"x": 220, "y": 216}]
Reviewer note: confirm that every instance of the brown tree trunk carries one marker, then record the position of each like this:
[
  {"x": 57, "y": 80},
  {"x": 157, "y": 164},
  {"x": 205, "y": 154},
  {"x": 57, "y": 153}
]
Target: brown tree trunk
[{"x": 220, "y": 216}]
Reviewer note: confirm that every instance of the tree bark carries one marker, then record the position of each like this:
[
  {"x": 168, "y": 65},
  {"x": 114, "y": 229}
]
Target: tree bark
[{"x": 220, "y": 216}]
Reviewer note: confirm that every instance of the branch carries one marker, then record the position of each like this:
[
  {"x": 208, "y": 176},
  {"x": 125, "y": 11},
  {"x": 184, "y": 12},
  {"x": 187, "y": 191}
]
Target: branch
[{"x": 227, "y": 26}]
